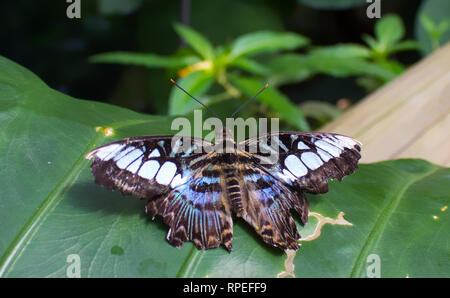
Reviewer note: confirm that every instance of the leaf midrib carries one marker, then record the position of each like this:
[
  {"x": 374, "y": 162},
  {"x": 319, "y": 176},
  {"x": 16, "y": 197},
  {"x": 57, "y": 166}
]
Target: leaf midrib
[
  {"x": 30, "y": 228},
  {"x": 381, "y": 223},
  {"x": 17, "y": 246}
]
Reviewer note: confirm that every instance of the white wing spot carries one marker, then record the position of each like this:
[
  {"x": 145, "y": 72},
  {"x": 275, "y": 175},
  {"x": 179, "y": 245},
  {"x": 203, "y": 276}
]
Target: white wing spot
[
  {"x": 333, "y": 150},
  {"x": 311, "y": 160},
  {"x": 155, "y": 153},
  {"x": 334, "y": 142},
  {"x": 149, "y": 169},
  {"x": 129, "y": 158},
  {"x": 324, "y": 154},
  {"x": 347, "y": 141},
  {"x": 123, "y": 153},
  {"x": 302, "y": 146},
  {"x": 135, "y": 165},
  {"x": 177, "y": 181},
  {"x": 108, "y": 152},
  {"x": 288, "y": 175},
  {"x": 295, "y": 166},
  {"x": 166, "y": 172}
]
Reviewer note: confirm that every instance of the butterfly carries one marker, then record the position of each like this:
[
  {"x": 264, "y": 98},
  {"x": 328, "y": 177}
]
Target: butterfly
[{"x": 196, "y": 191}]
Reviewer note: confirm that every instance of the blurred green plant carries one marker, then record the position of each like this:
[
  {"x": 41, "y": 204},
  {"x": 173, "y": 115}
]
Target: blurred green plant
[
  {"x": 434, "y": 30},
  {"x": 241, "y": 67},
  {"x": 205, "y": 65},
  {"x": 432, "y": 25}
]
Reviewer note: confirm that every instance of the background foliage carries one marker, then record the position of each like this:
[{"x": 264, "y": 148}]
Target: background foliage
[{"x": 319, "y": 56}]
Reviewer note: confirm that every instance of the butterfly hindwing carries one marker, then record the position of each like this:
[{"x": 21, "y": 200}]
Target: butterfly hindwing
[
  {"x": 267, "y": 206},
  {"x": 306, "y": 160},
  {"x": 197, "y": 211}
]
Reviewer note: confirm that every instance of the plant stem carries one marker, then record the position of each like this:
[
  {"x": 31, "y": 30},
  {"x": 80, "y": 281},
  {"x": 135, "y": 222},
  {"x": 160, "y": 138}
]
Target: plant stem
[{"x": 229, "y": 88}]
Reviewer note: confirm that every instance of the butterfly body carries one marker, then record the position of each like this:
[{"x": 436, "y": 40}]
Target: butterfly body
[{"x": 197, "y": 191}]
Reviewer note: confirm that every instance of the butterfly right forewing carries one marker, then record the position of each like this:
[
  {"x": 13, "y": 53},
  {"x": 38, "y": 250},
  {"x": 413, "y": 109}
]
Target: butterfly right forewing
[{"x": 306, "y": 160}]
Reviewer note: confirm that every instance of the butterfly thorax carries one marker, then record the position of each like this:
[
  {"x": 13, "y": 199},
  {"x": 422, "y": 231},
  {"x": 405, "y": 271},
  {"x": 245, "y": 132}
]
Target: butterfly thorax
[{"x": 224, "y": 142}]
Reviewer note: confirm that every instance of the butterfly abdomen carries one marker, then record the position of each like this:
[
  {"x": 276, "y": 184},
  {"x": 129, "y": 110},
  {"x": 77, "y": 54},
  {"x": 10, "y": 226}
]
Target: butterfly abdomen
[{"x": 233, "y": 188}]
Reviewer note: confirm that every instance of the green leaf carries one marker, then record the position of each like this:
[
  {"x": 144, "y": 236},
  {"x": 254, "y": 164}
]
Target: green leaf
[
  {"x": 406, "y": 45},
  {"x": 389, "y": 30},
  {"x": 250, "y": 65},
  {"x": 392, "y": 67},
  {"x": 273, "y": 99},
  {"x": 197, "y": 84},
  {"x": 344, "y": 67},
  {"x": 289, "y": 68},
  {"x": 52, "y": 209},
  {"x": 196, "y": 41},
  {"x": 340, "y": 51},
  {"x": 147, "y": 60},
  {"x": 266, "y": 41},
  {"x": 333, "y": 4},
  {"x": 370, "y": 41},
  {"x": 321, "y": 111},
  {"x": 432, "y": 24}
]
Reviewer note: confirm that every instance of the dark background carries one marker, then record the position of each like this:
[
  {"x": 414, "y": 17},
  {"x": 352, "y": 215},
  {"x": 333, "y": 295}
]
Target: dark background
[{"x": 39, "y": 36}]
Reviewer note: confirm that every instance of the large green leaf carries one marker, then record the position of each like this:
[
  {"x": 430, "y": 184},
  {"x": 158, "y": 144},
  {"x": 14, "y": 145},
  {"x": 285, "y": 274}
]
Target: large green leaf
[{"x": 50, "y": 208}]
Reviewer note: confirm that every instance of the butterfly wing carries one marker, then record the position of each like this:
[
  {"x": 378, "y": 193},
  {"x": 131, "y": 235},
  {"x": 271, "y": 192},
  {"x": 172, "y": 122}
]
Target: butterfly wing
[
  {"x": 175, "y": 179},
  {"x": 143, "y": 166},
  {"x": 197, "y": 211},
  {"x": 305, "y": 160},
  {"x": 267, "y": 204}
]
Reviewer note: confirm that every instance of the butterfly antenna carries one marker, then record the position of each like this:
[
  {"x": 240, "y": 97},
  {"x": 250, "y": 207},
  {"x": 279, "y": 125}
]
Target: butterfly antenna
[
  {"x": 175, "y": 83},
  {"x": 245, "y": 103}
]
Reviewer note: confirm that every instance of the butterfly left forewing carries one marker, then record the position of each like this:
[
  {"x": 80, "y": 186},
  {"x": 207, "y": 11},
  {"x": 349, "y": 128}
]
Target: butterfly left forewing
[{"x": 143, "y": 166}]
